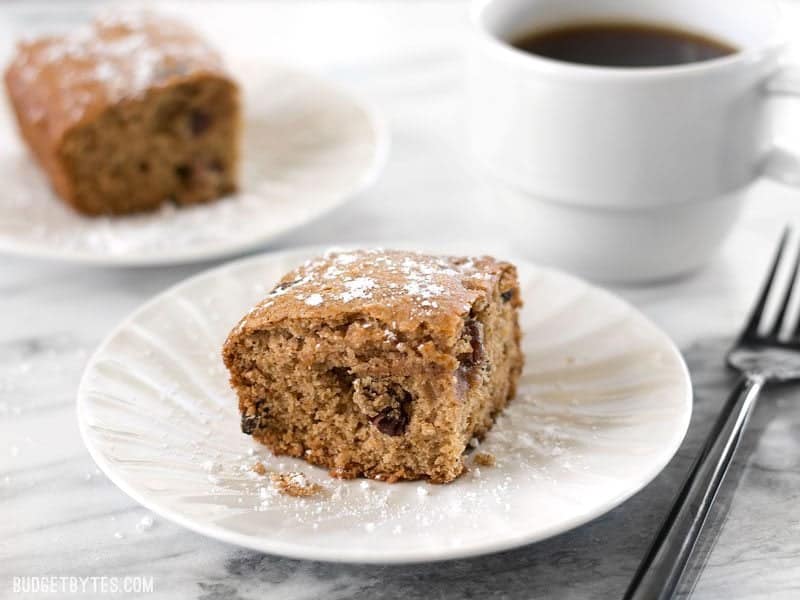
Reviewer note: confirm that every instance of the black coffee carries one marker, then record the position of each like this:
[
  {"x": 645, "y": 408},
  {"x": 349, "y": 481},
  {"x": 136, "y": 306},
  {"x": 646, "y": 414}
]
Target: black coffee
[{"x": 622, "y": 45}]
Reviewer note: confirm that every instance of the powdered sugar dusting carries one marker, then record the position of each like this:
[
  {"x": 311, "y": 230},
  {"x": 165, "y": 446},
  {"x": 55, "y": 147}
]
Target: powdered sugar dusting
[
  {"x": 314, "y": 300},
  {"x": 118, "y": 56},
  {"x": 415, "y": 284},
  {"x": 358, "y": 288},
  {"x": 345, "y": 259},
  {"x": 422, "y": 289}
]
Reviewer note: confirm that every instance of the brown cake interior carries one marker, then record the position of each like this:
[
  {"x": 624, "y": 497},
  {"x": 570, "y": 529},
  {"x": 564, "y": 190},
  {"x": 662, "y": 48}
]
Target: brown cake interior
[
  {"x": 351, "y": 394},
  {"x": 177, "y": 143}
]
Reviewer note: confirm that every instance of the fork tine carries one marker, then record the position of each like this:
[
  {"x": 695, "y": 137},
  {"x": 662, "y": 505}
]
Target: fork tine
[
  {"x": 751, "y": 329},
  {"x": 787, "y": 298}
]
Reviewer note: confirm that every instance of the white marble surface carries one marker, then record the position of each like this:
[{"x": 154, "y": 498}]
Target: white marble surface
[{"x": 59, "y": 516}]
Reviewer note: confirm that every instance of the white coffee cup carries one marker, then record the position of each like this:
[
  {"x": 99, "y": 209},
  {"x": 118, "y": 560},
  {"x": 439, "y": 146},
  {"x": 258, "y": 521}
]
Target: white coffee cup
[{"x": 629, "y": 139}]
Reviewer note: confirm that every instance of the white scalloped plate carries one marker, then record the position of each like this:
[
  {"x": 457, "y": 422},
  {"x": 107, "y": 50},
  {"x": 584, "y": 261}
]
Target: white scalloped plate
[
  {"x": 308, "y": 147},
  {"x": 603, "y": 405}
]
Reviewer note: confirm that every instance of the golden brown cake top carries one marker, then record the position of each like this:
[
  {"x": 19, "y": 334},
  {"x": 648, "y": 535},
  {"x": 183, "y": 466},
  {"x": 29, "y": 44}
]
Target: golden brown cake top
[
  {"x": 66, "y": 79},
  {"x": 402, "y": 290}
]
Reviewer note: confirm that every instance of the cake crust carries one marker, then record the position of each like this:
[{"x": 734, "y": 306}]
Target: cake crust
[{"x": 379, "y": 363}]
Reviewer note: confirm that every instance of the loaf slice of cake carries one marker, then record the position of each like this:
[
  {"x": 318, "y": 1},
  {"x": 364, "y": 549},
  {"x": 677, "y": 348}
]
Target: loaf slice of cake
[
  {"x": 382, "y": 364},
  {"x": 128, "y": 113}
]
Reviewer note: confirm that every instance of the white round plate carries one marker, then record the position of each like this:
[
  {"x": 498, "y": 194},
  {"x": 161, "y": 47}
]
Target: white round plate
[
  {"x": 604, "y": 403},
  {"x": 308, "y": 146}
]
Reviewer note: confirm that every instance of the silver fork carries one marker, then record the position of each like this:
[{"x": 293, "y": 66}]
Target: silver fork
[{"x": 764, "y": 352}]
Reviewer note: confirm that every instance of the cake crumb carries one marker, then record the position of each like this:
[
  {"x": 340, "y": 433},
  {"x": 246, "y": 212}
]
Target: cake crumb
[
  {"x": 485, "y": 459},
  {"x": 259, "y": 468},
  {"x": 295, "y": 484}
]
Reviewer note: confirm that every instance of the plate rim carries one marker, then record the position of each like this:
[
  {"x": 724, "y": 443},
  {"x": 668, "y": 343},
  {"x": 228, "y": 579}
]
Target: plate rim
[
  {"x": 354, "y": 555},
  {"x": 378, "y": 124}
]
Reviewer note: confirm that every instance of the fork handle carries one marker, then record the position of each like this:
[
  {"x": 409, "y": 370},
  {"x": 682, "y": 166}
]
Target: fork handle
[{"x": 659, "y": 573}]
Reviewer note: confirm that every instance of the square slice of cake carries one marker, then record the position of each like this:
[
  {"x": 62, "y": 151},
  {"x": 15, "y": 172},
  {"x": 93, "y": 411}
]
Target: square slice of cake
[
  {"x": 128, "y": 113},
  {"x": 382, "y": 364}
]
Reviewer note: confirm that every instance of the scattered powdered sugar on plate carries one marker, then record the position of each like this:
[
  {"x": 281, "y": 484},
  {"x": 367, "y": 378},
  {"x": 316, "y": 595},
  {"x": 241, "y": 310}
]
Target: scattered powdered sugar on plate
[
  {"x": 524, "y": 442},
  {"x": 145, "y": 524}
]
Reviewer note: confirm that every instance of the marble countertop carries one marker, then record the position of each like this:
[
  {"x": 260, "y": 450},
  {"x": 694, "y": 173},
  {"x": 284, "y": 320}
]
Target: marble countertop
[{"x": 60, "y": 516}]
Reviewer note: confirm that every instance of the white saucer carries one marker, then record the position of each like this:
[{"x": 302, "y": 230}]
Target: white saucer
[
  {"x": 308, "y": 147},
  {"x": 604, "y": 402}
]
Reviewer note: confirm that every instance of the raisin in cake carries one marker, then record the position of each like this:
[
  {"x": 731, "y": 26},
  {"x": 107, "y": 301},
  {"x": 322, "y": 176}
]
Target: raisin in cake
[
  {"x": 128, "y": 113},
  {"x": 379, "y": 363}
]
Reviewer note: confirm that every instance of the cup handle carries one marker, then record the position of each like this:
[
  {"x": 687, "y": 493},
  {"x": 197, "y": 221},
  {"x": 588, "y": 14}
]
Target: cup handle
[{"x": 780, "y": 164}]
